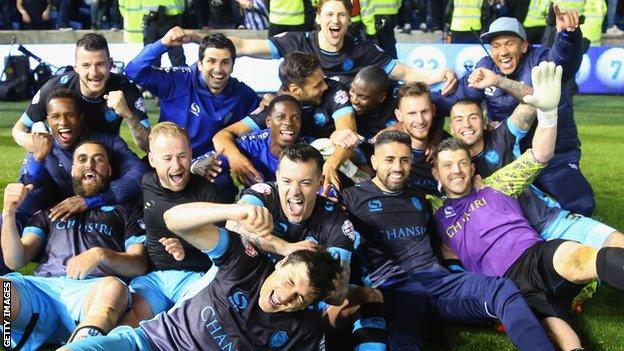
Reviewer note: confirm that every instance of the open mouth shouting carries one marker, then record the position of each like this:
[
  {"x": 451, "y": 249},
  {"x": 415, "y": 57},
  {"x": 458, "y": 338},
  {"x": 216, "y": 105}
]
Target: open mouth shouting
[
  {"x": 287, "y": 135},
  {"x": 334, "y": 31},
  {"x": 65, "y": 134},
  {"x": 295, "y": 206},
  {"x": 176, "y": 177},
  {"x": 506, "y": 64},
  {"x": 89, "y": 177},
  {"x": 272, "y": 302}
]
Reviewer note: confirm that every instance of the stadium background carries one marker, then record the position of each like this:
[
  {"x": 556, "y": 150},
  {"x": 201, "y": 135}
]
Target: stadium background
[{"x": 600, "y": 121}]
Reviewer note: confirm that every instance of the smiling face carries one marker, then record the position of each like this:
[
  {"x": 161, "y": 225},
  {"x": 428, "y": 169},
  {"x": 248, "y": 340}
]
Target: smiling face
[
  {"x": 454, "y": 170},
  {"x": 297, "y": 184},
  {"x": 171, "y": 157},
  {"x": 313, "y": 88},
  {"x": 90, "y": 169},
  {"x": 334, "y": 19},
  {"x": 287, "y": 289},
  {"x": 364, "y": 98},
  {"x": 216, "y": 67},
  {"x": 507, "y": 51},
  {"x": 93, "y": 68},
  {"x": 467, "y": 124},
  {"x": 65, "y": 121},
  {"x": 416, "y": 113},
  {"x": 284, "y": 123},
  {"x": 392, "y": 162}
]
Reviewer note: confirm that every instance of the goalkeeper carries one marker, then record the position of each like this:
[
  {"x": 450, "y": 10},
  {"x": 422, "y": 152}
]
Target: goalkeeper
[{"x": 471, "y": 224}]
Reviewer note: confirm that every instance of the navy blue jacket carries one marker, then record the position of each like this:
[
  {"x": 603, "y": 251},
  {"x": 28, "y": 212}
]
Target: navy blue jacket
[
  {"x": 186, "y": 100},
  {"x": 565, "y": 52},
  {"x": 53, "y": 181}
]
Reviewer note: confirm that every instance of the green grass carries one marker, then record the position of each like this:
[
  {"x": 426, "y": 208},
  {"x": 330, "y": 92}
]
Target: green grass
[{"x": 601, "y": 125}]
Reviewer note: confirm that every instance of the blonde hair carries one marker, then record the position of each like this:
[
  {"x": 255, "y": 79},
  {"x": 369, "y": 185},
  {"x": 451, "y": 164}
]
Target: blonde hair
[{"x": 167, "y": 129}]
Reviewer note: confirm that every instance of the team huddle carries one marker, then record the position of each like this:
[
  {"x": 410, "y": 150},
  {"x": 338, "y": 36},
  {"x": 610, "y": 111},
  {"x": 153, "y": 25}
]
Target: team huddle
[{"x": 338, "y": 203}]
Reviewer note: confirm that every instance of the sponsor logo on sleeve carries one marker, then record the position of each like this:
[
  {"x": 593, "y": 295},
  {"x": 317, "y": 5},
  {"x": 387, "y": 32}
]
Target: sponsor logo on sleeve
[
  {"x": 262, "y": 188},
  {"x": 341, "y": 97}
]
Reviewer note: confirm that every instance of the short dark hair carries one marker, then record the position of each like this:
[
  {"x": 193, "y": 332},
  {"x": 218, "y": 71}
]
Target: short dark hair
[
  {"x": 467, "y": 102},
  {"x": 64, "y": 93},
  {"x": 296, "y": 67},
  {"x": 218, "y": 41},
  {"x": 376, "y": 77},
  {"x": 302, "y": 152},
  {"x": 96, "y": 142},
  {"x": 413, "y": 89},
  {"x": 93, "y": 42},
  {"x": 347, "y": 4},
  {"x": 393, "y": 136},
  {"x": 450, "y": 144},
  {"x": 282, "y": 98},
  {"x": 323, "y": 269}
]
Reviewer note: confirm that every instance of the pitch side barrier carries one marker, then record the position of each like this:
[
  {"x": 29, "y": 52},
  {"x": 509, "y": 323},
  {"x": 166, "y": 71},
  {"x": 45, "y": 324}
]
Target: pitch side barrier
[{"x": 601, "y": 72}]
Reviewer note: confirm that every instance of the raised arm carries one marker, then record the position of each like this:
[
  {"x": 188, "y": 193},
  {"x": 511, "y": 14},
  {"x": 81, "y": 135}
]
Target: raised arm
[
  {"x": 240, "y": 166},
  {"x": 567, "y": 49},
  {"x": 524, "y": 114},
  {"x": 516, "y": 176},
  {"x": 194, "y": 222},
  {"x": 258, "y": 48},
  {"x": 429, "y": 76},
  {"x": 17, "y": 251},
  {"x": 547, "y": 92}
]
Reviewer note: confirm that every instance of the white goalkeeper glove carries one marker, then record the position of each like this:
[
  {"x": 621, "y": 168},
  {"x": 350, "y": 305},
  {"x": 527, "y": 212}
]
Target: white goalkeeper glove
[{"x": 546, "y": 92}]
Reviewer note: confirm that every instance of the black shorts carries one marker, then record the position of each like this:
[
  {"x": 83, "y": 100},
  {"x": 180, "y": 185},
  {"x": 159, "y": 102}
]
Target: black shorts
[{"x": 545, "y": 291}]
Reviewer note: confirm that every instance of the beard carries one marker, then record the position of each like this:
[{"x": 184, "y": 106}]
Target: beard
[{"x": 89, "y": 189}]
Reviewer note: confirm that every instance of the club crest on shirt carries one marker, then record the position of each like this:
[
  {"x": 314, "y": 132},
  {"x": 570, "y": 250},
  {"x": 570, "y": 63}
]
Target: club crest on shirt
[
  {"x": 347, "y": 64},
  {"x": 492, "y": 157},
  {"x": 278, "y": 339},
  {"x": 489, "y": 91},
  {"x": 262, "y": 188}
]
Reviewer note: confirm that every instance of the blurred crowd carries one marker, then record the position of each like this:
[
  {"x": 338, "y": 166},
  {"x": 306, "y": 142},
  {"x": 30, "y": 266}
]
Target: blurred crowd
[{"x": 459, "y": 18}]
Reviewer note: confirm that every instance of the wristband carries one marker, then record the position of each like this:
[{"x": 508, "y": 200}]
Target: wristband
[{"x": 547, "y": 119}]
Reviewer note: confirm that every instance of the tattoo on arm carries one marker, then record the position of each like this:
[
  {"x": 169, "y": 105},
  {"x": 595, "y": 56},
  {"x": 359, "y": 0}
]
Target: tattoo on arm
[
  {"x": 515, "y": 89},
  {"x": 523, "y": 116},
  {"x": 139, "y": 132}
]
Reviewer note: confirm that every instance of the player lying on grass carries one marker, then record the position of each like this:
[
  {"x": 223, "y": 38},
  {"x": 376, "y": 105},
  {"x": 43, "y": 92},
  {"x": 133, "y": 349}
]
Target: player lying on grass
[
  {"x": 486, "y": 229},
  {"x": 251, "y": 304}
]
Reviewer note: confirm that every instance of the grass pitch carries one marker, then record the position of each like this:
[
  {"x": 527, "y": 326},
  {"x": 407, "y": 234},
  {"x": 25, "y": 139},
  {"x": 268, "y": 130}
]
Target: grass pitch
[{"x": 600, "y": 121}]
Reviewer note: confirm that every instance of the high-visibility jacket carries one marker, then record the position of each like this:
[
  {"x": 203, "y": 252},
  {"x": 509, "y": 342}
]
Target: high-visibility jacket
[
  {"x": 287, "y": 12},
  {"x": 466, "y": 15},
  {"x": 578, "y": 5},
  {"x": 367, "y": 12},
  {"x": 595, "y": 10},
  {"x": 134, "y": 10},
  {"x": 386, "y": 7},
  {"x": 537, "y": 14}
]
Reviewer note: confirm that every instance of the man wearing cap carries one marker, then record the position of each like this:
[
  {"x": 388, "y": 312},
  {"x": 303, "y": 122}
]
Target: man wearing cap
[{"x": 512, "y": 59}]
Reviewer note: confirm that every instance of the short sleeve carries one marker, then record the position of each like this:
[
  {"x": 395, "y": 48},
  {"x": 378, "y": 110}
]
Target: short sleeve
[
  {"x": 38, "y": 225},
  {"x": 234, "y": 258},
  {"x": 134, "y": 232}
]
